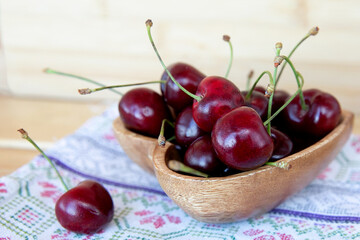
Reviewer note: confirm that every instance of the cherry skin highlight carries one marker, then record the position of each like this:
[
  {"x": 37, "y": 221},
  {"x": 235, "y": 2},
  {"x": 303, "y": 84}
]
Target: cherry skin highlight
[
  {"x": 186, "y": 129},
  {"x": 86, "y": 208},
  {"x": 241, "y": 140},
  {"x": 321, "y": 116},
  {"x": 188, "y": 77},
  {"x": 142, "y": 110},
  {"x": 218, "y": 97}
]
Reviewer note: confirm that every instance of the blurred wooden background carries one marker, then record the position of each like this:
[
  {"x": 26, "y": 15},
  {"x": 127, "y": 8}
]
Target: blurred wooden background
[{"x": 106, "y": 40}]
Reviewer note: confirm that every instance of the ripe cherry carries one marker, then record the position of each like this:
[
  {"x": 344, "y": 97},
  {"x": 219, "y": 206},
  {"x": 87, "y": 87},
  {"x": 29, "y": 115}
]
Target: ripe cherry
[
  {"x": 186, "y": 129},
  {"x": 283, "y": 145},
  {"x": 142, "y": 110},
  {"x": 321, "y": 116},
  {"x": 218, "y": 96},
  {"x": 85, "y": 208},
  {"x": 258, "y": 102},
  {"x": 241, "y": 140},
  {"x": 188, "y": 77},
  {"x": 201, "y": 156}
]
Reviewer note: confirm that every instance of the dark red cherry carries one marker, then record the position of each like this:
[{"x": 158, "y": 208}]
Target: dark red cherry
[
  {"x": 283, "y": 145},
  {"x": 188, "y": 77},
  {"x": 86, "y": 208},
  {"x": 321, "y": 116},
  {"x": 186, "y": 129},
  {"x": 258, "y": 102},
  {"x": 241, "y": 140},
  {"x": 218, "y": 97},
  {"x": 142, "y": 110},
  {"x": 201, "y": 156}
]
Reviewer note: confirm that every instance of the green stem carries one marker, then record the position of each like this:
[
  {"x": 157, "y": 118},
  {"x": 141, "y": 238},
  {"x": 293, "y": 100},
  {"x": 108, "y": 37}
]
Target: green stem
[
  {"x": 161, "y": 138},
  {"x": 180, "y": 167},
  {"x": 289, "y": 56},
  {"x": 84, "y": 91},
  {"x": 272, "y": 93},
  {"x": 287, "y": 102},
  {"x": 148, "y": 27},
  {"x": 227, "y": 39},
  {"x": 301, "y": 95},
  {"x": 248, "y": 95},
  {"x": 25, "y": 135},
  {"x": 51, "y": 71},
  {"x": 250, "y": 75},
  {"x": 280, "y": 164}
]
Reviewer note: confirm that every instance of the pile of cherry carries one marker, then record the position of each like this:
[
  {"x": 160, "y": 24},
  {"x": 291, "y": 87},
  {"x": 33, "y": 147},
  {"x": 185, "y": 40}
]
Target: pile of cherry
[
  {"x": 224, "y": 131},
  {"x": 220, "y": 130}
]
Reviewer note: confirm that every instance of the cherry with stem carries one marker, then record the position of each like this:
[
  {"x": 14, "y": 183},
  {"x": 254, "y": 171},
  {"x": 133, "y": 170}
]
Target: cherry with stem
[
  {"x": 148, "y": 27},
  {"x": 86, "y": 208},
  {"x": 215, "y": 96}
]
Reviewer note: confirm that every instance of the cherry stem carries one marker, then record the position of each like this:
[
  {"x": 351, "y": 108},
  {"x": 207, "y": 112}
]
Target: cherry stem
[
  {"x": 25, "y": 135},
  {"x": 84, "y": 91},
  {"x": 272, "y": 85},
  {"x": 180, "y": 167},
  {"x": 250, "y": 75},
  {"x": 280, "y": 164},
  {"x": 302, "y": 101},
  {"x": 287, "y": 102},
  {"x": 312, "y": 32},
  {"x": 51, "y": 71},
  {"x": 226, "y": 38},
  {"x": 148, "y": 27},
  {"x": 248, "y": 95},
  {"x": 161, "y": 138}
]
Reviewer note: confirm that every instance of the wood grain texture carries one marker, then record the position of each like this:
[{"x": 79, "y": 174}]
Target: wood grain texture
[
  {"x": 106, "y": 40},
  {"x": 251, "y": 193},
  {"x": 139, "y": 148}
]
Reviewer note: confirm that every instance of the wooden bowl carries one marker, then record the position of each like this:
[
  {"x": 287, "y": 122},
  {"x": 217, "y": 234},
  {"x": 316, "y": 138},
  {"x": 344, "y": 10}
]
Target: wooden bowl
[
  {"x": 139, "y": 148},
  {"x": 251, "y": 193}
]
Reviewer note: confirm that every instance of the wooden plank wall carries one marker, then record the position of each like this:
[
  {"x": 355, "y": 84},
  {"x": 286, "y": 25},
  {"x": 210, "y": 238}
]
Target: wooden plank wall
[{"x": 106, "y": 40}]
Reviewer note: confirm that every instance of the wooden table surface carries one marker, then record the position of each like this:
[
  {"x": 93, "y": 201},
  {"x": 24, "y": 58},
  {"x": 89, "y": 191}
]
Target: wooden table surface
[{"x": 46, "y": 121}]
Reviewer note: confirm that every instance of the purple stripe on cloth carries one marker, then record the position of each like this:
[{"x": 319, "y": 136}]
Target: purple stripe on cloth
[
  {"x": 123, "y": 185},
  {"x": 316, "y": 216}
]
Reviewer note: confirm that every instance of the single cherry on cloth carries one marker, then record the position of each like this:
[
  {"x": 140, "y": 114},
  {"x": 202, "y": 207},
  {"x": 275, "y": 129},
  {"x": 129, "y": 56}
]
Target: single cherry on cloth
[
  {"x": 85, "y": 208},
  {"x": 142, "y": 110},
  {"x": 186, "y": 129},
  {"x": 258, "y": 102},
  {"x": 201, "y": 156},
  {"x": 218, "y": 97},
  {"x": 283, "y": 145},
  {"x": 240, "y": 139},
  {"x": 321, "y": 116},
  {"x": 188, "y": 77}
]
